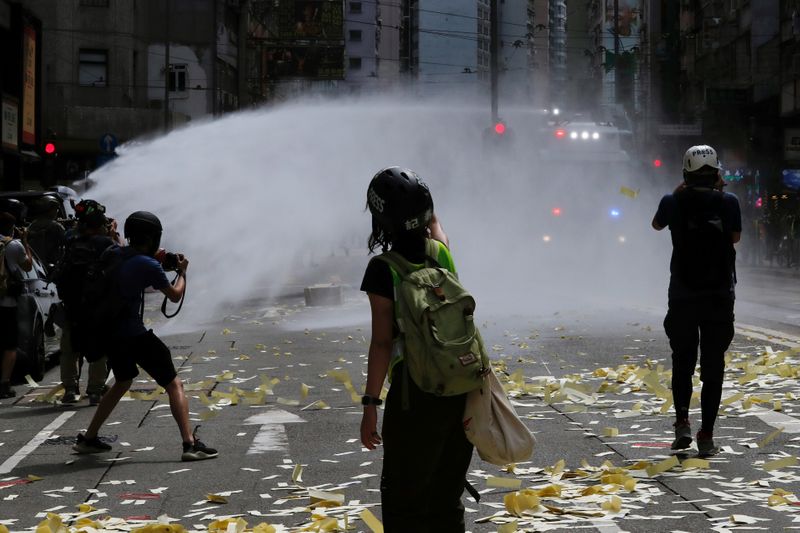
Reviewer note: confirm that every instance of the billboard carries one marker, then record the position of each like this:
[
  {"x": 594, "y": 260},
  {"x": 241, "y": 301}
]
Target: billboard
[
  {"x": 317, "y": 20},
  {"x": 10, "y": 122},
  {"x": 317, "y": 62},
  {"x": 29, "y": 86},
  {"x": 630, "y": 20},
  {"x": 791, "y": 178}
]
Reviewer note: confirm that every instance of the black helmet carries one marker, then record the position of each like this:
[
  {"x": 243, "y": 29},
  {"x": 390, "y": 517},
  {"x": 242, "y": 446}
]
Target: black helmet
[
  {"x": 399, "y": 201},
  {"x": 90, "y": 213},
  {"x": 15, "y": 208},
  {"x": 143, "y": 224},
  {"x": 46, "y": 204}
]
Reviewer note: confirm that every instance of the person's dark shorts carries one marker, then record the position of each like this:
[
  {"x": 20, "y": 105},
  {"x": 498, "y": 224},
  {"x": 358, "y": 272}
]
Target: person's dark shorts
[
  {"x": 147, "y": 351},
  {"x": 9, "y": 328}
]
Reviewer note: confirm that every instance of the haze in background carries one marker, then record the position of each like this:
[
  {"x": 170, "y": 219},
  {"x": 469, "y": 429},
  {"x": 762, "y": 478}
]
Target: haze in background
[{"x": 259, "y": 200}]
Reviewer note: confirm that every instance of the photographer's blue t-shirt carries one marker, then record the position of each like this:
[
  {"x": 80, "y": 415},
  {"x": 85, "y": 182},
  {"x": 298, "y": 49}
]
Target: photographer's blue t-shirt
[{"x": 135, "y": 275}]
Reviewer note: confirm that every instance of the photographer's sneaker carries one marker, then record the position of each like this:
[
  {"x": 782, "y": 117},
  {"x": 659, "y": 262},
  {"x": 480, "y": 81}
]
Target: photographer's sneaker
[
  {"x": 95, "y": 445},
  {"x": 683, "y": 435},
  {"x": 71, "y": 397},
  {"x": 705, "y": 444},
  {"x": 6, "y": 391},
  {"x": 197, "y": 451}
]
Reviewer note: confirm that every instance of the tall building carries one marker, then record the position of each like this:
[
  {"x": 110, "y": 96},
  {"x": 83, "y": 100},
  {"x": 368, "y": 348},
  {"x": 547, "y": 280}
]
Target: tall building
[
  {"x": 21, "y": 91},
  {"x": 580, "y": 52},
  {"x": 516, "y": 51},
  {"x": 362, "y": 34},
  {"x": 444, "y": 47},
  {"x": 557, "y": 49},
  {"x": 113, "y": 71},
  {"x": 732, "y": 78}
]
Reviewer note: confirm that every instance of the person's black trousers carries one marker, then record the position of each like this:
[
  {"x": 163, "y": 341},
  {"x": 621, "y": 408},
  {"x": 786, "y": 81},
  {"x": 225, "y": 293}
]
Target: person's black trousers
[
  {"x": 707, "y": 323},
  {"x": 425, "y": 461}
]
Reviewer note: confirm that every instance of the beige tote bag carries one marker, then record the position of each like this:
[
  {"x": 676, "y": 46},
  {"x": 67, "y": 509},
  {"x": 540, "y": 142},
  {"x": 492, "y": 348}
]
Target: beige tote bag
[{"x": 493, "y": 427}]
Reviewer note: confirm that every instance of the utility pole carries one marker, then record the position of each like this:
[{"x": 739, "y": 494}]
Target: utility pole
[
  {"x": 494, "y": 51},
  {"x": 166, "y": 66},
  {"x": 616, "y": 52}
]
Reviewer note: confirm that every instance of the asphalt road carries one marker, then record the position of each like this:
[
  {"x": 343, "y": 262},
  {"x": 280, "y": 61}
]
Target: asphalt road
[{"x": 268, "y": 384}]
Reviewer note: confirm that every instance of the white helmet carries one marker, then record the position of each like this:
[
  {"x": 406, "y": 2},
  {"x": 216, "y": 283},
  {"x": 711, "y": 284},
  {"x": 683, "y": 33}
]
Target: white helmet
[{"x": 699, "y": 156}]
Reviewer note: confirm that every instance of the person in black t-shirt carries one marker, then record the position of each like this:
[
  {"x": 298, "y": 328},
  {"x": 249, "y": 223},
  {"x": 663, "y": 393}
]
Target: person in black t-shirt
[
  {"x": 426, "y": 453},
  {"x": 704, "y": 223}
]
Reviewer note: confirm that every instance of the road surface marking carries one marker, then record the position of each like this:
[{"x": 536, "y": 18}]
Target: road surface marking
[
  {"x": 271, "y": 437},
  {"x": 34, "y": 443},
  {"x": 789, "y": 424},
  {"x": 604, "y": 526},
  {"x": 769, "y": 335}
]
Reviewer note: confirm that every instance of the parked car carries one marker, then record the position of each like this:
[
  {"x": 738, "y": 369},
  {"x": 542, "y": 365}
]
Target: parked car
[
  {"x": 36, "y": 308},
  {"x": 65, "y": 196}
]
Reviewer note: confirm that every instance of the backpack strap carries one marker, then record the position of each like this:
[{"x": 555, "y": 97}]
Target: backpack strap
[
  {"x": 400, "y": 264},
  {"x": 432, "y": 251}
]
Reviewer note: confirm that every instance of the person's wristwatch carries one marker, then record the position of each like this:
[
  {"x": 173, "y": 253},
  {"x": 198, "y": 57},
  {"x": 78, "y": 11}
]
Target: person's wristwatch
[{"x": 370, "y": 400}]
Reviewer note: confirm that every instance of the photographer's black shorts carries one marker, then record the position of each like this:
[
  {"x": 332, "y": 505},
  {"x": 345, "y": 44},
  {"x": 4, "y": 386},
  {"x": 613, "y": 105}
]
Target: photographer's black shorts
[
  {"x": 9, "y": 328},
  {"x": 147, "y": 351}
]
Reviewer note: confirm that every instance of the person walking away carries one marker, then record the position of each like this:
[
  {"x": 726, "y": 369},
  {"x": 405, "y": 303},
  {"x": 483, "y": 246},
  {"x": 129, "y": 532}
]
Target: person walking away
[
  {"x": 47, "y": 237},
  {"x": 86, "y": 244},
  {"x": 704, "y": 223},
  {"x": 15, "y": 258},
  {"x": 426, "y": 452},
  {"x": 138, "y": 346}
]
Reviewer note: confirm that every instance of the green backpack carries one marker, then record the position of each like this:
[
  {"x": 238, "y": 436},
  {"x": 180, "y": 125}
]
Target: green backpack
[{"x": 442, "y": 348}]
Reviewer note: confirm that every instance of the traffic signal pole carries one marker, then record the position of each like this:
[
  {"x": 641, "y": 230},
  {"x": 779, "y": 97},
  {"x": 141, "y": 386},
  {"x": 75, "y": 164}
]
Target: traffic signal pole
[{"x": 494, "y": 51}]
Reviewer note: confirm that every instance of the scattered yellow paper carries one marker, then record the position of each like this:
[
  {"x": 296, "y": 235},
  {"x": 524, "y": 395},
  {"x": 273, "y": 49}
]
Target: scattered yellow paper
[
  {"x": 161, "y": 528},
  {"x": 85, "y": 508},
  {"x": 297, "y": 474},
  {"x": 662, "y": 466},
  {"x": 31, "y": 382},
  {"x": 503, "y": 482},
  {"x": 372, "y": 521},
  {"x": 610, "y": 432},
  {"x": 216, "y": 498},
  {"x": 226, "y": 331},
  {"x": 518, "y": 502},
  {"x": 779, "y": 497},
  {"x": 695, "y": 462},
  {"x": 3, "y": 529},
  {"x": 733, "y": 398},
  {"x": 263, "y": 527},
  {"x": 511, "y": 527},
  {"x": 31, "y": 477},
  {"x": 320, "y": 498},
  {"x": 627, "y": 191},
  {"x": 614, "y": 505},
  {"x": 304, "y": 391},
  {"x": 225, "y": 525},
  {"x": 777, "y": 464},
  {"x": 769, "y": 438},
  {"x": 51, "y": 524},
  {"x": 777, "y": 405}
]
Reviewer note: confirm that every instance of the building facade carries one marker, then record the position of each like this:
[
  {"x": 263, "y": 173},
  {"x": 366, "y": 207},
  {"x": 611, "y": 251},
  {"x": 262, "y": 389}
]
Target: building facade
[
  {"x": 109, "y": 67},
  {"x": 21, "y": 91}
]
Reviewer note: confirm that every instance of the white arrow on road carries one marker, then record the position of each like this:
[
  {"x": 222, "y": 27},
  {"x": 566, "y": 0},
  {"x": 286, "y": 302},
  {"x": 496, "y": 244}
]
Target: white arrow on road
[{"x": 271, "y": 437}]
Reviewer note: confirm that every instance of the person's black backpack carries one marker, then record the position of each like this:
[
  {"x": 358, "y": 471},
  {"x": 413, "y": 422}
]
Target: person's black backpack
[
  {"x": 87, "y": 284},
  {"x": 703, "y": 252}
]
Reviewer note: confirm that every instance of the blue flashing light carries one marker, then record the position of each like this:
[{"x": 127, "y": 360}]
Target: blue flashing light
[{"x": 614, "y": 213}]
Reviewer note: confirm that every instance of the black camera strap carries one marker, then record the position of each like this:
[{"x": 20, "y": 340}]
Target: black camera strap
[{"x": 180, "y": 304}]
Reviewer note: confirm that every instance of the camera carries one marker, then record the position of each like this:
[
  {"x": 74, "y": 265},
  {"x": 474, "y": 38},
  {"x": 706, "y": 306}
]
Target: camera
[{"x": 169, "y": 261}]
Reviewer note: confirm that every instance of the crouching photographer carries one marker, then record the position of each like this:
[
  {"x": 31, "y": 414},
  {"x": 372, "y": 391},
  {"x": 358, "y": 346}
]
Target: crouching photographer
[{"x": 138, "y": 269}]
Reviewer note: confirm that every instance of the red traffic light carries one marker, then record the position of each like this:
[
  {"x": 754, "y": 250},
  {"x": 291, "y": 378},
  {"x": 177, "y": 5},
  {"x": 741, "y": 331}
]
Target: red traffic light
[
  {"x": 556, "y": 211},
  {"x": 560, "y": 134},
  {"x": 499, "y": 128},
  {"x": 50, "y": 148},
  {"x": 657, "y": 163}
]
